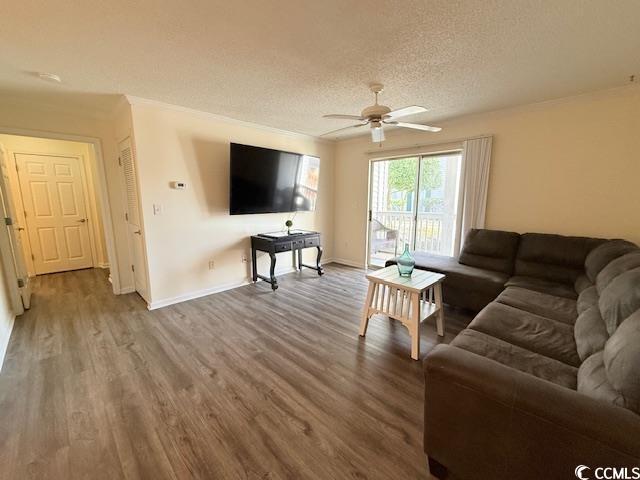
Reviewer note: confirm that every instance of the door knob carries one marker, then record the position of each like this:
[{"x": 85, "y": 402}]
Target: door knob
[
  {"x": 82, "y": 220},
  {"x": 137, "y": 232}
]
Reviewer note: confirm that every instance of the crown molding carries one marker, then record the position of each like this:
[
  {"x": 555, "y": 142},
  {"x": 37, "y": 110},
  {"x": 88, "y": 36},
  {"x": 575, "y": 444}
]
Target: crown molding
[{"x": 133, "y": 100}]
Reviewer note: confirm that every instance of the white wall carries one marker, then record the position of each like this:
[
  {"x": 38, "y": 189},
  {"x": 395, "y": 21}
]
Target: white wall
[
  {"x": 22, "y": 144},
  {"x": 569, "y": 166},
  {"x": 35, "y": 118},
  {"x": 195, "y": 227}
]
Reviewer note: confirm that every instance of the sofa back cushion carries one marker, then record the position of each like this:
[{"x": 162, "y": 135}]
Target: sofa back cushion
[
  {"x": 620, "y": 299},
  {"x": 490, "y": 249},
  {"x": 622, "y": 360},
  {"x": 616, "y": 267},
  {"x": 590, "y": 333},
  {"x": 582, "y": 283},
  {"x": 553, "y": 257},
  {"x": 600, "y": 256},
  {"x": 593, "y": 381},
  {"x": 587, "y": 299}
]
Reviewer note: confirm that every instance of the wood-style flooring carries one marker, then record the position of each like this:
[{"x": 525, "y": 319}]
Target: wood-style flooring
[{"x": 244, "y": 384}]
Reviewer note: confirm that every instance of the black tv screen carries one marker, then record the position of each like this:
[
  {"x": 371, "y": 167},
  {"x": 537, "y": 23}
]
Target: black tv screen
[{"x": 270, "y": 181}]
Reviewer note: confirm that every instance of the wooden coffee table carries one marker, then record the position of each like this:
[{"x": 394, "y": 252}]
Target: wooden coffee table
[{"x": 407, "y": 299}]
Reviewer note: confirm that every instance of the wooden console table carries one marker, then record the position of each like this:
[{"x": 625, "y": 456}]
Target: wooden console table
[
  {"x": 407, "y": 299},
  {"x": 272, "y": 244}
]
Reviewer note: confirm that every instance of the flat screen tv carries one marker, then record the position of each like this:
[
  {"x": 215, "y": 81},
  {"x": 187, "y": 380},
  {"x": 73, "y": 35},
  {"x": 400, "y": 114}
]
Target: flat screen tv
[{"x": 263, "y": 180}]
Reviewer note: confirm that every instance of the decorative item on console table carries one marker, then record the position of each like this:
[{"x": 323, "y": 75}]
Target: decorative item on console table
[{"x": 277, "y": 242}]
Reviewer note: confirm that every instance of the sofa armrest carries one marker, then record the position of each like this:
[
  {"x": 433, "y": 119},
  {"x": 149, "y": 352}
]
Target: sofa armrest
[{"x": 484, "y": 419}]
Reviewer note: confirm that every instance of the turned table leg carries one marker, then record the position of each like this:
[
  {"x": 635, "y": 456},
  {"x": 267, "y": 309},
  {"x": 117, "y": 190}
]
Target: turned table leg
[
  {"x": 272, "y": 272},
  {"x": 318, "y": 257}
]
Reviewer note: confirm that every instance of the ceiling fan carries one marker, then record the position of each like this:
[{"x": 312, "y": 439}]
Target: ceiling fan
[{"x": 376, "y": 116}]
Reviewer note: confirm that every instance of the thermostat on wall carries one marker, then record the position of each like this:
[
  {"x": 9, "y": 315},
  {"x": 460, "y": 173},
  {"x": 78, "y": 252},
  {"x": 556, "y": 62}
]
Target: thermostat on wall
[{"x": 178, "y": 185}]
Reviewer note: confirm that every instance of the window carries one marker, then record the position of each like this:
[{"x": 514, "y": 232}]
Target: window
[{"x": 414, "y": 200}]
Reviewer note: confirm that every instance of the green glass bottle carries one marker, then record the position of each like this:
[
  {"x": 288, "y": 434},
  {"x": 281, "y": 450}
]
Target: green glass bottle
[{"x": 406, "y": 262}]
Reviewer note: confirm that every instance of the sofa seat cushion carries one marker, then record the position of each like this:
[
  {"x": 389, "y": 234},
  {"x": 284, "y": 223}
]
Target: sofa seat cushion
[
  {"x": 462, "y": 276},
  {"x": 533, "y": 332},
  {"x": 490, "y": 250},
  {"x": 517, "y": 357},
  {"x": 561, "y": 309},
  {"x": 557, "y": 289}
]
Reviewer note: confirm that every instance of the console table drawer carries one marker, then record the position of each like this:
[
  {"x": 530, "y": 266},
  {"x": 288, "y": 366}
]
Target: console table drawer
[
  {"x": 282, "y": 247},
  {"x": 312, "y": 242},
  {"x": 298, "y": 243}
]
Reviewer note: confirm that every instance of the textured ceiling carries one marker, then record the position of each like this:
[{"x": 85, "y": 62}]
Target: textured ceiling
[{"x": 285, "y": 63}]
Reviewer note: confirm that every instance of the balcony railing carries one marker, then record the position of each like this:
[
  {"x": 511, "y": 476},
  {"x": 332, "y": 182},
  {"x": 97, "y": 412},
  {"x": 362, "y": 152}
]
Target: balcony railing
[{"x": 434, "y": 231}]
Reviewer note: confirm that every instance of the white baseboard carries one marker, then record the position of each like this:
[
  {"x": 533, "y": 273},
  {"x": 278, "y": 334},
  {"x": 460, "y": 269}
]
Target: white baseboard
[
  {"x": 103, "y": 265},
  {"x": 193, "y": 295},
  {"x": 5, "y": 341},
  {"x": 210, "y": 291},
  {"x": 348, "y": 263}
]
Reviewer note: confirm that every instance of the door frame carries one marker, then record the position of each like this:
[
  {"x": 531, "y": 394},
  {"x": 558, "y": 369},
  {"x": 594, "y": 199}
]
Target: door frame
[
  {"x": 102, "y": 192},
  {"x": 86, "y": 197},
  {"x": 419, "y": 156}
]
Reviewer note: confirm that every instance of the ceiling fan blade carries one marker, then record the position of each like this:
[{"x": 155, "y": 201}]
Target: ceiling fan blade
[
  {"x": 416, "y": 126},
  {"x": 342, "y": 129},
  {"x": 343, "y": 117},
  {"x": 402, "y": 112},
  {"x": 377, "y": 134}
]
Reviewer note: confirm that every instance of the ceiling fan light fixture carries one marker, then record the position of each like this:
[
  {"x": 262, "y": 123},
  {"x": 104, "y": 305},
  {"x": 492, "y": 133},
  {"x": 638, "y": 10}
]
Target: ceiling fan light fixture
[{"x": 377, "y": 133}]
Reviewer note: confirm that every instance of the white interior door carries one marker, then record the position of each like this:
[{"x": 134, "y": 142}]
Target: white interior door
[
  {"x": 56, "y": 214},
  {"x": 133, "y": 218}
]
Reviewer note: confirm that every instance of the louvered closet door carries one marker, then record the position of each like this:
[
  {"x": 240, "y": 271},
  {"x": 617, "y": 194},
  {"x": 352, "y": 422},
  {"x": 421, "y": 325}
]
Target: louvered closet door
[
  {"x": 134, "y": 223},
  {"x": 56, "y": 214}
]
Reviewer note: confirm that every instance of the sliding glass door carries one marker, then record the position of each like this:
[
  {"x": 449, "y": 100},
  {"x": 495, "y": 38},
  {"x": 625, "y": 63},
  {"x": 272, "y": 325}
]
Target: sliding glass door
[{"x": 414, "y": 201}]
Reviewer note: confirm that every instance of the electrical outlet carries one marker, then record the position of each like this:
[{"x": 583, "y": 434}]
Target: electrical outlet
[
  {"x": 244, "y": 258},
  {"x": 212, "y": 264}
]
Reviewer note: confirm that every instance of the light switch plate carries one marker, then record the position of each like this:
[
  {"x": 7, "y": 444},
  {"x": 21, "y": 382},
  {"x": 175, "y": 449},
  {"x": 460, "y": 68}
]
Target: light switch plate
[{"x": 157, "y": 209}]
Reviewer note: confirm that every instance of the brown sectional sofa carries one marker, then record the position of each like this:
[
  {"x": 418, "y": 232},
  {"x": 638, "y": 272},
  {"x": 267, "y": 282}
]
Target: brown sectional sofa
[{"x": 547, "y": 376}]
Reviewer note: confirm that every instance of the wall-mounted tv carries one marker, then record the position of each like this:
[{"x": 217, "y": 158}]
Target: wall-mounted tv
[{"x": 263, "y": 180}]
